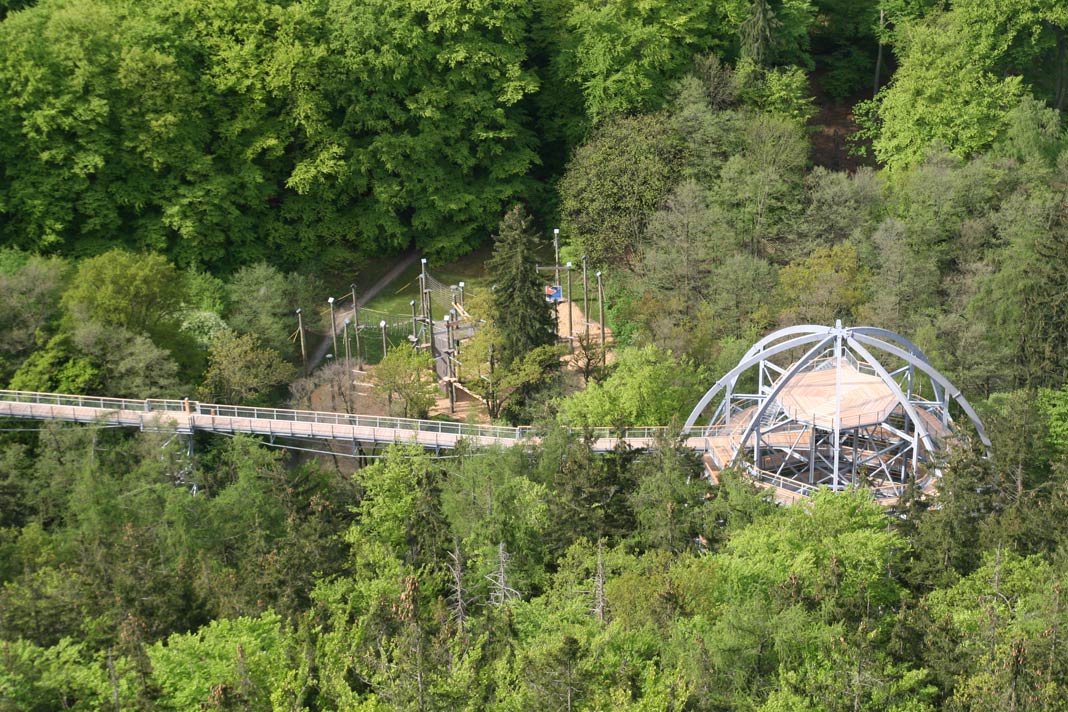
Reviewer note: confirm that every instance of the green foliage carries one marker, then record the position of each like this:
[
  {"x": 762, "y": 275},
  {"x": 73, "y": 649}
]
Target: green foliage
[
  {"x": 623, "y": 53},
  {"x": 94, "y": 360},
  {"x": 774, "y": 31},
  {"x": 504, "y": 388},
  {"x": 825, "y": 286},
  {"x": 57, "y": 368},
  {"x": 241, "y": 370},
  {"x": 614, "y": 182},
  {"x": 393, "y": 512},
  {"x": 1002, "y": 618},
  {"x": 215, "y": 136},
  {"x": 232, "y": 664},
  {"x": 296, "y": 144},
  {"x": 1017, "y": 299},
  {"x": 260, "y": 302},
  {"x": 522, "y": 316},
  {"x": 137, "y": 292},
  {"x": 406, "y": 376},
  {"x": 845, "y": 43},
  {"x": 646, "y": 386},
  {"x": 781, "y": 92},
  {"x": 488, "y": 500},
  {"x": 759, "y": 187},
  {"x": 32, "y": 678},
  {"x": 944, "y": 91},
  {"x": 669, "y": 500},
  {"x": 28, "y": 299},
  {"x": 1054, "y": 407}
]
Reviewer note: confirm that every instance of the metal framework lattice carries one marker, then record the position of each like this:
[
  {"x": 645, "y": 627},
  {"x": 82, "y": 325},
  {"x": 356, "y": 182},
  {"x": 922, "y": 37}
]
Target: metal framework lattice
[{"x": 811, "y": 406}]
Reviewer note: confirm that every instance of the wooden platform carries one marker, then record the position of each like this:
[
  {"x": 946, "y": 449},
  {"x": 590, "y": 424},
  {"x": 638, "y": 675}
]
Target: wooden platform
[{"x": 809, "y": 397}]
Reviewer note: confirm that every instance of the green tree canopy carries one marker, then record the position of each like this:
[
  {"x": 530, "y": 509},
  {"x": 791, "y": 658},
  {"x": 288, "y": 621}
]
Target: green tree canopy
[
  {"x": 138, "y": 292},
  {"x": 522, "y": 316},
  {"x": 406, "y": 378},
  {"x": 646, "y": 386},
  {"x": 613, "y": 184},
  {"x": 157, "y": 124},
  {"x": 242, "y": 370}
]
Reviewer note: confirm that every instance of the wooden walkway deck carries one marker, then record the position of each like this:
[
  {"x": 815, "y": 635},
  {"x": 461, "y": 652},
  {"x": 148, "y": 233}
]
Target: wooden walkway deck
[{"x": 188, "y": 416}]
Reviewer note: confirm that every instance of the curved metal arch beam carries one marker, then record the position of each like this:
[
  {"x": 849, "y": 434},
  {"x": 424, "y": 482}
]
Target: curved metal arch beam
[
  {"x": 774, "y": 393},
  {"x": 930, "y": 370},
  {"x": 892, "y": 336},
  {"x": 784, "y": 332},
  {"x": 887, "y": 334},
  {"x": 742, "y": 367},
  {"x": 921, "y": 427},
  {"x": 814, "y": 328}
]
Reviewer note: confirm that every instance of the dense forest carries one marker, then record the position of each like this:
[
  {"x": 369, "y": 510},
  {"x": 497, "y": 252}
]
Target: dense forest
[{"x": 178, "y": 177}]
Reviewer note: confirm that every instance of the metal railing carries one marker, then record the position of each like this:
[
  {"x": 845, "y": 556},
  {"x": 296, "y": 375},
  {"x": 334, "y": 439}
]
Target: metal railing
[
  {"x": 383, "y": 423},
  {"x": 191, "y": 407},
  {"x": 413, "y": 425}
]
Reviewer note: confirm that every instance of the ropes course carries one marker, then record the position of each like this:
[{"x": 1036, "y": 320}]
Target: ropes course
[
  {"x": 364, "y": 335},
  {"x": 438, "y": 322}
]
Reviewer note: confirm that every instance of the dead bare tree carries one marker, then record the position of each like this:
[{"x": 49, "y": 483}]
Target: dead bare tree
[{"x": 501, "y": 592}]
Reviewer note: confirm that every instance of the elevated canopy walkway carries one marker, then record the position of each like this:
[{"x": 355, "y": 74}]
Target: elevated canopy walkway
[{"x": 187, "y": 416}]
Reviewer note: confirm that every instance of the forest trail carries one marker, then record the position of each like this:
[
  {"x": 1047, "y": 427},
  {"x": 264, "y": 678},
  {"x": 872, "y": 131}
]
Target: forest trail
[{"x": 575, "y": 326}]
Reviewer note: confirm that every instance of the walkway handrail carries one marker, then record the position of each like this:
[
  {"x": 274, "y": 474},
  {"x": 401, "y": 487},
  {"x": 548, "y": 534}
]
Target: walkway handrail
[{"x": 191, "y": 407}]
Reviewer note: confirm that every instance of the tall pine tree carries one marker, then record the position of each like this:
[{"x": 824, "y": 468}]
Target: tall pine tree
[{"x": 524, "y": 318}]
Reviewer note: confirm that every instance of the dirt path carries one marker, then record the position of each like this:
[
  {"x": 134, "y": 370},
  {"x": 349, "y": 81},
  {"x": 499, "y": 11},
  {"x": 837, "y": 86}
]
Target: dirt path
[
  {"x": 362, "y": 300},
  {"x": 577, "y": 322}
]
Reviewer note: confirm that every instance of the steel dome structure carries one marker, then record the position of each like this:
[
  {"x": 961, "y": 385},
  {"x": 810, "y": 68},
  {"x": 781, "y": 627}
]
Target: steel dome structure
[{"x": 810, "y": 406}]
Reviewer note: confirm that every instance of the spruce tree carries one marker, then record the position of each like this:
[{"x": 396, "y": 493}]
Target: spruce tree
[{"x": 524, "y": 318}]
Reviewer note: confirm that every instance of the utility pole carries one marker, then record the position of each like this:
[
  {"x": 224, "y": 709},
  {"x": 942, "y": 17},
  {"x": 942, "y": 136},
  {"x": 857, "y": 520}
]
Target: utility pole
[
  {"x": 556, "y": 254},
  {"x": 382, "y": 326},
  {"x": 428, "y": 308},
  {"x": 450, "y": 374},
  {"x": 585, "y": 298},
  {"x": 556, "y": 322},
  {"x": 359, "y": 353},
  {"x": 455, "y": 320},
  {"x": 570, "y": 313},
  {"x": 348, "y": 367},
  {"x": 356, "y": 326},
  {"x": 422, "y": 296},
  {"x": 345, "y": 337},
  {"x": 303, "y": 351},
  {"x": 415, "y": 337},
  {"x": 462, "y": 296},
  {"x": 448, "y": 361},
  {"x": 600, "y": 307},
  {"x": 333, "y": 325}
]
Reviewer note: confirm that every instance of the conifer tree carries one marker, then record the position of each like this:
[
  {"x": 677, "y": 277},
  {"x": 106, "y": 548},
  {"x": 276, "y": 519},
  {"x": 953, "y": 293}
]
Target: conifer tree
[{"x": 523, "y": 317}]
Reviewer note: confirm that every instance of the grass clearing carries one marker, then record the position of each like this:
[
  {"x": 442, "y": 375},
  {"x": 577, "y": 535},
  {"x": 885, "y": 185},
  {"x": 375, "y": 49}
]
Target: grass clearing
[{"x": 396, "y": 298}]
